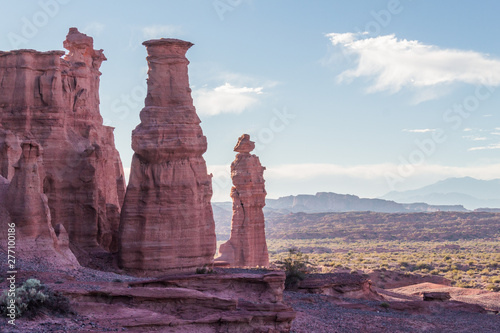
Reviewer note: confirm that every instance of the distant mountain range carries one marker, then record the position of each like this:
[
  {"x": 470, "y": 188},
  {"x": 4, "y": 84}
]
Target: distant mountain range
[
  {"x": 469, "y": 192},
  {"x": 324, "y": 202}
]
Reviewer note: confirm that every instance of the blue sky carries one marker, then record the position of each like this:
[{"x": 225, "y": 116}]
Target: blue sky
[{"x": 358, "y": 97}]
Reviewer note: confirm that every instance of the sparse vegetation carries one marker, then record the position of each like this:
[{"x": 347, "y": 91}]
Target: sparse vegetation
[
  {"x": 384, "y": 305},
  {"x": 33, "y": 298},
  {"x": 295, "y": 267},
  {"x": 204, "y": 270},
  {"x": 462, "y": 247}
]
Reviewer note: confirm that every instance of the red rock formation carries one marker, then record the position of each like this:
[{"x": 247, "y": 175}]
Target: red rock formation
[
  {"x": 167, "y": 222},
  {"x": 339, "y": 284},
  {"x": 27, "y": 207},
  {"x": 247, "y": 244},
  {"x": 55, "y": 101},
  {"x": 244, "y": 303}
]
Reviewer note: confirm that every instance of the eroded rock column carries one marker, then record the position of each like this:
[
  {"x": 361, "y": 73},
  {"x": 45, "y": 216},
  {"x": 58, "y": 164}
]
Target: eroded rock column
[
  {"x": 167, "y": 221},
  {"x": 247, "y": 245},
  {"x": 27, "y": 207}
]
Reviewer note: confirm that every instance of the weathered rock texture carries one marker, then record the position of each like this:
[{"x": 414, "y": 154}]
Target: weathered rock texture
[
  {"x": 55, "y": 101},
  {"x": 339, "y": 284},
  {"x": 167, "y": 221},
  {"x": 26, "y": 206},
  {"x": 247, "y": 244},
  {"x": 209, "y": 303}
]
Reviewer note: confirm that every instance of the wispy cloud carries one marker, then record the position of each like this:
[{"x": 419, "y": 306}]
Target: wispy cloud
[
  {"x": 93, "y": 29},
  {"x": 372, "y": 171},
  {"x": 225, "y": 98},
  {"x": 393, "y": 64},
  {"x": 363, "y": 180},
  {"x": 475, "y": 138},
  {"x": 488, "y": 147},
  {"x": 424, "y": 130},
  {"x": 161, "y": 31}
]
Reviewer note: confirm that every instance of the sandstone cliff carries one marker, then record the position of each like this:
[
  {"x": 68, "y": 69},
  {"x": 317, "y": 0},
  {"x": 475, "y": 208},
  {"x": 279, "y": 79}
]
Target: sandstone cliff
[
  {"x": 55, "y": 101},
  {"x": 25, "y": 206}
]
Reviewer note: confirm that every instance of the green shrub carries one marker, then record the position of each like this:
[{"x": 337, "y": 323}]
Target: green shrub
[
  {"x": 295, "y": 267},
  {"x": 423, "y": 265},
  {"x": 493, "y": 287},
  {"x": 204, "y": 270},
  {"x": 384, "y": 305},
  {"x": 33, "y": 298},
  {"x": 495, "y": 279}
]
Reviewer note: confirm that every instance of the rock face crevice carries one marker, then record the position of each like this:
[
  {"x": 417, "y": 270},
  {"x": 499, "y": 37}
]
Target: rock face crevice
[
  {"x": 27, "y": 207},
  {"x": 247, "y": 245},
  {"x": 167, "y": 221},
  {"x": 55, "y": 100}
]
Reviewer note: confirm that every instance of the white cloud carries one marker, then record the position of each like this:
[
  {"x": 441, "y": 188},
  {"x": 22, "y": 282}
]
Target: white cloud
[
  {"x": 93, "y": 29},
  {"x": 373, "y": 171},
  {"x": 225, "y": 98},
  {"x": 393, "y": 64},
  {"x": 367, "y": 180},
  {"x": 475, "y": 138},
  {"x": 424, "y": 130},
  {"x": 161, "y": 31},
  {"x": 488, "y": 147},
  {"x": 313, "y": 170}
]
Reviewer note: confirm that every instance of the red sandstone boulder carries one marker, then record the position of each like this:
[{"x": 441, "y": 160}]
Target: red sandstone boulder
[
  {"x": 167, "y": 221},
  {"x": 247, "y": 245}
]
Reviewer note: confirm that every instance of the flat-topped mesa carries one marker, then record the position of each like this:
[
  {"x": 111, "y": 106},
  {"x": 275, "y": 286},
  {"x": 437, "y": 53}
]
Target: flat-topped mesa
[
  {"x": 54, "y": 99},
  {"x": 247, "y": 244},
  {"x": 167, "y": 221}
]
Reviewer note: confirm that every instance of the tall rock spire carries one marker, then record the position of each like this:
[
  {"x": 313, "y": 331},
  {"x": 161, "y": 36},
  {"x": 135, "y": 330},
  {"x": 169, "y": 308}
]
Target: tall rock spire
[
  {"x": 167, "y": 221},
  {"x": 247, "y": 244}
]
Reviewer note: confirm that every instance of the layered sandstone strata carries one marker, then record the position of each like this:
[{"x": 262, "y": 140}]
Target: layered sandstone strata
[
  {"x": 245, "y": 303},
  {"x": 54, "y": 99},
  {"x": 25, "y": 210},
  {"x": 167, "y": 221},
  {"x": 247, "y": 244}
]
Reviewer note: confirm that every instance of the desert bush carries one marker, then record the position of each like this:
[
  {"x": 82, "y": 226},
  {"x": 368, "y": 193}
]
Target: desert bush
[
  {"x": 295, "y": 267},
  {"x": 495, "y": 279},
  {"x": 493, "y": 287},
  {"x": 205, "y": 270},
  {"x": 33, "y": 298}
]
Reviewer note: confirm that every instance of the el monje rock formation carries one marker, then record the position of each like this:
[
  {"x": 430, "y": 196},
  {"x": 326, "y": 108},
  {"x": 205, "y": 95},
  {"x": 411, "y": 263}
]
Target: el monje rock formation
[
  {"x": 55, "y": 102},
  {"x": 247, "y": 244},
  {"x": 167, "y": 221}
]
